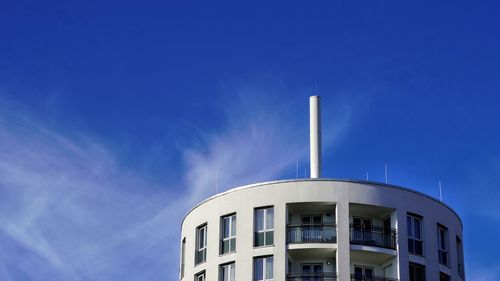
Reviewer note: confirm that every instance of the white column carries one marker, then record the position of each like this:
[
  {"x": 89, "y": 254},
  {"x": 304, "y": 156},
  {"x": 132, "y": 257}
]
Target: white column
[
  {"x": 315, "y": 136},
  {"x": 343, "y": 241}
]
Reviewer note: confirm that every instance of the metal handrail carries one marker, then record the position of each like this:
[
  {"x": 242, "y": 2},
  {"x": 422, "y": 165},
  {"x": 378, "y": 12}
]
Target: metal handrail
[
  {"x": 373, "y": 227},
  {"x": 325, "y": 276},
  {"x": 311, "y": 233},
  {"x": 309, "y": 224},
  {"x": 358, "y": 277},
  {"x": 373, "y": 236}
]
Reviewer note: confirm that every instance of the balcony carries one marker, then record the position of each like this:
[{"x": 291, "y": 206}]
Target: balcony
[
  {"x": 306, "y": 233},
  {"x": 359, "y": 277},
  {"x": 326, "y": 276},
  {"x": 312, "y": 264},
  {"x": 373, "y": 236},
  {"x": 311, "y": 223}
]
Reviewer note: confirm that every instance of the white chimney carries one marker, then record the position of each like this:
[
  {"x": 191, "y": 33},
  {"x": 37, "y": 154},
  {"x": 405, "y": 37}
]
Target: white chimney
[{"x": 315, "y": 136}]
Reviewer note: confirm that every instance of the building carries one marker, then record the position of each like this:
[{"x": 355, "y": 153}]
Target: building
[{"x": 321, "y": 230}]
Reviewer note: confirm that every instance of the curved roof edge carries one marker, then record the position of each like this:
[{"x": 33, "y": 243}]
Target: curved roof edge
[{"x": 322, "y": 179}]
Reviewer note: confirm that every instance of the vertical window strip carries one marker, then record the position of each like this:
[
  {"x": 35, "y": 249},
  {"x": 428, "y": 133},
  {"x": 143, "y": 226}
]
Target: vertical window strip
[
  {"x": 415, "y": 242},
  {"x": 417, "y": 272},
  {"x": 264, "y": 268},
  {"x": 201, "y": 244},
  {"x": 227, "y": 272},
  {"x": 183, "y": 256},
  {"x": 264, "y": 226},
  {"x": 460, "y": 253},
  {"x": 200, "y": 276},
  {"x": 228, "y": 230},
  {"x": 442, "y": 236}
]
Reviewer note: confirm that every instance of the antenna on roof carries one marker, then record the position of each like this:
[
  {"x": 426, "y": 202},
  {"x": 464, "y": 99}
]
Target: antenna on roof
[
  {"x": 297, "y": 170},
  {"x": 385, "y": 173},
  {"x": 440, "y": 192},
  {"x": 216, "y": 181}
]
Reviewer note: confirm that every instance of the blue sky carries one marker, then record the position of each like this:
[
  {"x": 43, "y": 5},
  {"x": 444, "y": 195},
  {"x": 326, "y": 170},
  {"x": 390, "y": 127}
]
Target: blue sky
[{"x": 115, "y": 117}]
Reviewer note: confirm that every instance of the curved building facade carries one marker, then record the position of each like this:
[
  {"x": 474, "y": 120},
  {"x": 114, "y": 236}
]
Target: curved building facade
[{"x": 321, "y": 229}]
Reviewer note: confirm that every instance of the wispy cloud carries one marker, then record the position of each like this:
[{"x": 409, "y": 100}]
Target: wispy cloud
[
  {"x": 484, "y": 273},
  {"x": 477, "y": 185},
  {"x": 70, "y": 211}
]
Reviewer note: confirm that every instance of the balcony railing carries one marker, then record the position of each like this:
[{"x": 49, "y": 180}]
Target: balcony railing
[
  {"x": 301, "y": 233},
  {"x": 326, "y": 276},
  {"x": 373, "y": 236},
  {"x": 360, "y": 277}
]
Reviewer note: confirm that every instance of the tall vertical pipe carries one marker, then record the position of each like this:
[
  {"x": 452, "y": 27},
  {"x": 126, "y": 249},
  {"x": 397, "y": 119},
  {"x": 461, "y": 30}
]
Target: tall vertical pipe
[{"x": 315, "y": 136}]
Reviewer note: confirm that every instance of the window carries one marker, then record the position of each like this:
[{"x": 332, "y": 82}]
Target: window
[
  {"x": 417, "y": 272},
  {"x": 460, "y": 253},
  {"x": 264, "y": 227},
  {"x": 200, "y": 276},
  {"x": 444, "y": 277},
  {"x": 183, "y": 256},
  {"x": 387, "y": 225},
  {"x": 312, "y": 220},
  {"x": 389, "y": 236},
  {"x": 363, "y": 273},
  {"x": 362, "y": 231},
  {"x": 313, "y": 271},
  {"x": 263, "y": 269},
  {"x": 201, "y": 244},
  {"x": 226, "y": 272},
  {"x": 442, "y": 233},
  {"x": 228, "y": 234},
  {"x": 312, "y": 228},
  {"x": 415, "y": 243}
]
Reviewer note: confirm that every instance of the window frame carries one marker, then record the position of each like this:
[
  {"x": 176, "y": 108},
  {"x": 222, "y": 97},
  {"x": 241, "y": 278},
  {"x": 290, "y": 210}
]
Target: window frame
[
  {"x": 445, "y": 276},
  {"x": 311, "y": 222},
  {"x": 410, "y": 217},
  {"x": 361, "y": 224},
  {"x": 232, "y": 271},
  {"x": 264, "y": 268},
  {"x": 443, "y": 244},
  {"x": 363, "y": 271},
  {"x": 416, "y": 265},
  {"x": 202, "y": 249},
  {"x": 265, "y": 229},
  {"x": 312, "y": 265},
  {"x": 183, "y": 256},
  {"x": 460, "y": 257},
  {"x": 201, "y": 274},
  {"x": 231, "y": 239}
]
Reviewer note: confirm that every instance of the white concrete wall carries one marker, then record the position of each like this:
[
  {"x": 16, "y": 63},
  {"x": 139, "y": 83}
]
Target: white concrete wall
[{"x": 242, "y": 201}]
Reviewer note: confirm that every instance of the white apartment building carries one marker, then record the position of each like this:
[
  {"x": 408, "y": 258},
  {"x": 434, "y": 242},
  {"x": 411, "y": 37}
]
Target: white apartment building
[{"x": 321, "y": 230}]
